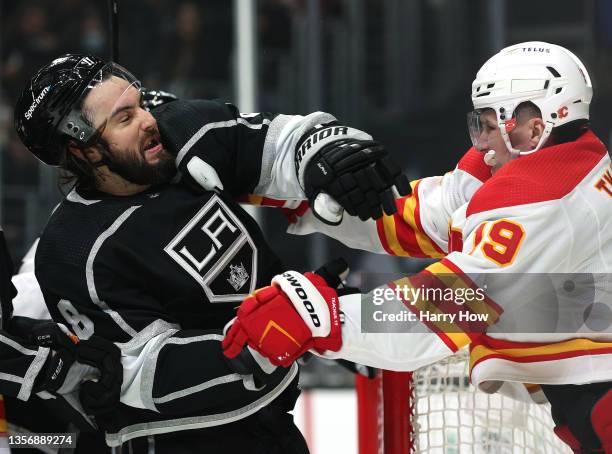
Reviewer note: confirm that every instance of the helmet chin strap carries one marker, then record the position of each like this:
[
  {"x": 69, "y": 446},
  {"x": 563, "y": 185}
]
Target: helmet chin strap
[{"x": 489, "y": 157}]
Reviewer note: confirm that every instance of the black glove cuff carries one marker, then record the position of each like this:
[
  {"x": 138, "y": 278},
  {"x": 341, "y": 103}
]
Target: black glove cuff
[{"x": 54, "y": 371}]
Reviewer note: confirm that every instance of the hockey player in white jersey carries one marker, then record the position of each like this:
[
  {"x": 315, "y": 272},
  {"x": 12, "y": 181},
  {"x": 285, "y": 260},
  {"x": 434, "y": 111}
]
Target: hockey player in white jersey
[{"x": 533, "y": 196}]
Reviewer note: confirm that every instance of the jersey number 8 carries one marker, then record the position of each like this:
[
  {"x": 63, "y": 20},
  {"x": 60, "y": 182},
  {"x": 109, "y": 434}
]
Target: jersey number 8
[{"x": 81, "y": 325}]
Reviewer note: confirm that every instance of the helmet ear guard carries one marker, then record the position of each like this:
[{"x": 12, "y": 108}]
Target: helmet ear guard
[
  {"x": 78, "y": 129},
  {"x": 507, "y": 126}
]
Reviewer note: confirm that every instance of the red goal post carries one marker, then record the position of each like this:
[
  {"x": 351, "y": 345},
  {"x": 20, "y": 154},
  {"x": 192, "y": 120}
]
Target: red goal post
[
  {"x": 379, "y": 429},
  {"x": 436, "y": 410}
]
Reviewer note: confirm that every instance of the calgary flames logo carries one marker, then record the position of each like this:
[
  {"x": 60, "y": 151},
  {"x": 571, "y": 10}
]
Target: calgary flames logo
[{"x": 562, "y": 112}]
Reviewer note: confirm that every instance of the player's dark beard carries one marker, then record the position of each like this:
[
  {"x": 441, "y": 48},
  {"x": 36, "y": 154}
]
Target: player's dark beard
[{"x": 139, "y": 171}]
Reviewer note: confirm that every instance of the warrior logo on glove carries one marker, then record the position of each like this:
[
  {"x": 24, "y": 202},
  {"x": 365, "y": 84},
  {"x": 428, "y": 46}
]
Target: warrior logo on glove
[{"x": 342, "y": 168}]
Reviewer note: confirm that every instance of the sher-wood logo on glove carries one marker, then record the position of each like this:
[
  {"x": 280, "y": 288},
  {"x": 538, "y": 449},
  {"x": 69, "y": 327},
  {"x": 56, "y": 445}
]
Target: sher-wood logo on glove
[
  {"x": 297, "y": 313},
  {"x": 301, "y": 293},
  {"x": 307, "y": 300}
]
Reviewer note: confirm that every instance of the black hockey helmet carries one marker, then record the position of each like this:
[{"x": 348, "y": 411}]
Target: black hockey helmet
[{"x": 49, "y": 108}]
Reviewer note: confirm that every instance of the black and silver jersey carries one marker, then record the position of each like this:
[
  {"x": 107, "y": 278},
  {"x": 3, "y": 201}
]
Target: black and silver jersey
[{"x": 160, "y": 273}]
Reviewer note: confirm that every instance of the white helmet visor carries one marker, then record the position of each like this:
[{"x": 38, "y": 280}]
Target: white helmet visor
[
  {"x": 479, "y": 130},
  {"x": 475, "y": 126}
]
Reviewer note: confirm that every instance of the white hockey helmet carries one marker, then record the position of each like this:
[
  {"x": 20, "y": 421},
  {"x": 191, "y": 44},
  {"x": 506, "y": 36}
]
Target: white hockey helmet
[{"x": 549, "y": 76}]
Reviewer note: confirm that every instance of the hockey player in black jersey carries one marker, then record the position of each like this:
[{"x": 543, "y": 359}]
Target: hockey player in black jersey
[
  {"x": 45, "y": 370},
  {"x": 159, "y": 268}
]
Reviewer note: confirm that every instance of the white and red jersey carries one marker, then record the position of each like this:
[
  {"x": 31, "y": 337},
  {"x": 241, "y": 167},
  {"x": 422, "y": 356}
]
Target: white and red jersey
[{"x": 549, "y": 212}]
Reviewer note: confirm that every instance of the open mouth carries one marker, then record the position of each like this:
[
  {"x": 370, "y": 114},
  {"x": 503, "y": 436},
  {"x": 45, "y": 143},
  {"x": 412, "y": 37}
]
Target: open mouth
[{"x": 152, "y": 146}]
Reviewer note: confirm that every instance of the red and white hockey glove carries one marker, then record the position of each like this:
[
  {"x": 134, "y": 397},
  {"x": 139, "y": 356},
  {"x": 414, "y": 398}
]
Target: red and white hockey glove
[{"x": 297, "y": 313}]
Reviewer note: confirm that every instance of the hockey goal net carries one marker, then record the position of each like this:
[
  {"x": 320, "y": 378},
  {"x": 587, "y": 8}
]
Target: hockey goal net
[{"x": 436, "y": 410}]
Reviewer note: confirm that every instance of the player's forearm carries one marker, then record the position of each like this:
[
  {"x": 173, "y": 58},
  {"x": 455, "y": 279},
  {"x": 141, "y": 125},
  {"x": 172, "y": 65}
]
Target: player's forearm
[
  {"x": 400, "y": 234},
  {"x": 352, "y": 231},
  {"x": 216, "y": 145},
  {"x": 181, "y": 372},
  {"x": 420, "y": 228},
  {"x": 411, "y": 349},
  {"x": 20, "y": 364}
]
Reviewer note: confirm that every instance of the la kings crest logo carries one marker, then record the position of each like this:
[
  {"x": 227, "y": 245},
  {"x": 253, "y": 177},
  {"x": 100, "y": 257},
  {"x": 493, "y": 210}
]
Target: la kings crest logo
[
  {"x": 218, "y": 252},
  {"x": 238, "y": 276}
]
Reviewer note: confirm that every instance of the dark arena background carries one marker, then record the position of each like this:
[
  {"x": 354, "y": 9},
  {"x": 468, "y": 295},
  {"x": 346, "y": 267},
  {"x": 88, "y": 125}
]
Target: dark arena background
[{"x": 399, "y": 69}]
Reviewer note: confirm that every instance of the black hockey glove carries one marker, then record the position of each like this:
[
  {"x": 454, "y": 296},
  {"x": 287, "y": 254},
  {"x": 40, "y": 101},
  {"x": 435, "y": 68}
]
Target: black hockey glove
[
  {"x": 154, "y": 98},
  {"x": 92, "y": 367},
  {"x": 61, "y": 373},
  {"x": 334, "y": 272},
  {"x": 101, "y": 397},
  {"x": 250, "y": 362},
  {"x": 343, "y": 164}
]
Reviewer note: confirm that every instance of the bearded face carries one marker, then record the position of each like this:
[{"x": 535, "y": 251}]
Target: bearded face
[{"x": 129, "y": 136}]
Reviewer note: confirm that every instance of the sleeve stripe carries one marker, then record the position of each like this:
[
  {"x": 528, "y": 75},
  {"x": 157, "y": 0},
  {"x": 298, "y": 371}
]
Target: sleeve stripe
[
  {"x": 268, "y": 156},
  {"x": 549, "y": 352},
  {"x": 425, "y": 279},
  {"x": 380, "y": 229},
  {"x": 3, "y": 423},
  {"x": 455, "y": 280},
  {"x": 20, "y": 348},
  {"x": 35, "y": 367},
  {"x": 390, "y": 236},
  {"x": 453, "y": 340},
  {"x": 442, "y": 280},
  {"x": 272, "y": 202},
  {"x": 407, "y": 236},
  {"x": 251, "y": 199},
  {"x": 220, "y": 124},
  {"x": 258, "y": 200},
  {"x": 452, "y": 268},
  {"x": 292, "y": 208},
  {"x": 426, "y": 243},
  {"x": 402, "y": 233}
]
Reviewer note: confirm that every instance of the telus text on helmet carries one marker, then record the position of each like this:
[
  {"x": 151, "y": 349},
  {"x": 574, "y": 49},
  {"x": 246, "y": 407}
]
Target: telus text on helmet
[
  {"x": 36, "y": 102},
  {"x": 536, "y": 49}
]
